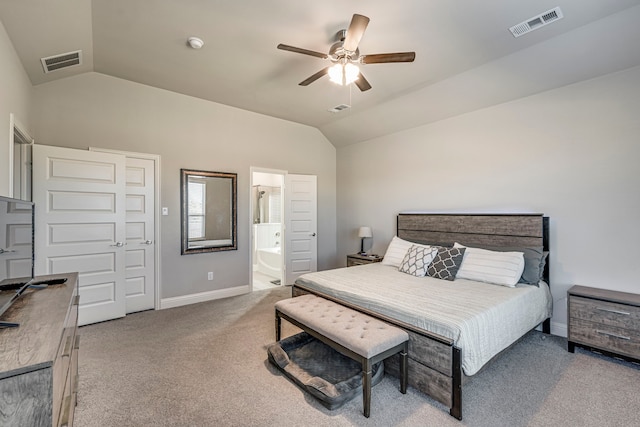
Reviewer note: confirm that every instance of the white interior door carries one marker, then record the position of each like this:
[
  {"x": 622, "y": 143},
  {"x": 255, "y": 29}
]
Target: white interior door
[
  {"x": 80, "y": 212},
  {"x": 140, "y": 231},
  {"x": 15, "y": 240},
  {"x": 301, "y": 225}
]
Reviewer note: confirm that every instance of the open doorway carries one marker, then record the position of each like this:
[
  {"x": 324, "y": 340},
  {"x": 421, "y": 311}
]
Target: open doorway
[{"x": 267, "y": 207}]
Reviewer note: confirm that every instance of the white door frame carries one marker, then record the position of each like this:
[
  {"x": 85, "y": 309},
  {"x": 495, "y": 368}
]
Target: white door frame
[
  {"x": 156, "y": 212},
  {"x": 253, "y": 169},
  {"x": 15, "y": 126}
]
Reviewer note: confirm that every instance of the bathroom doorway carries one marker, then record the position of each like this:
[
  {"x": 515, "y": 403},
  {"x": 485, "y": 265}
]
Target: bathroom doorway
[{"x": 267, "y": 236}]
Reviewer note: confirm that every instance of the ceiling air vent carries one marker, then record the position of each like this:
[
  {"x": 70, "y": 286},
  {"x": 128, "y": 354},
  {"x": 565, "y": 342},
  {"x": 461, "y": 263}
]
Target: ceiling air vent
[
  {"x": 339, "y": 108},
  {"x": 64, "y": 60},
  {"x": 536, "y": 22}
]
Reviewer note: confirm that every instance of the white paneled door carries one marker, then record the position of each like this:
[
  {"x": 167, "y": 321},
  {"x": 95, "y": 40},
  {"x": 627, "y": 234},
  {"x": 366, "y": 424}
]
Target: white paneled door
[
  {"x": 140, "y": 255},
  {"x": 80, "y": 213},
  {"x": 301, "y": 224},
  {"x": 15, "y": 239}
]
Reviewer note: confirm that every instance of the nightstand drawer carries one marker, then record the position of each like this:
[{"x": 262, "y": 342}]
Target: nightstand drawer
[
  {"x": 357, "y": 259},
  {"x": 608, "y": 338},
  {"x": 604, "y": 312}
]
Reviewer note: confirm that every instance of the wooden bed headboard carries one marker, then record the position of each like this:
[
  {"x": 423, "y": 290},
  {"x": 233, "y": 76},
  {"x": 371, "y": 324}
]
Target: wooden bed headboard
[{"x": 497, "y": 230}]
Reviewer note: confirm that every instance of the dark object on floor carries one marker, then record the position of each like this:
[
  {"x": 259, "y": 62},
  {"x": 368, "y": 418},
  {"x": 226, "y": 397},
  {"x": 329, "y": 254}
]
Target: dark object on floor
[
  {"x": 276, "y": 282},
  {"x": 327, "y": 375}
]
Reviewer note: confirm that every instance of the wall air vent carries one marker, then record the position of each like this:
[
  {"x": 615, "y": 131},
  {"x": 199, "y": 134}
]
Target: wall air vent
[
  {"x": 536, "y": 22},
  {"x": 64, "y": 60},
  {"x": 339, "y": 108}
]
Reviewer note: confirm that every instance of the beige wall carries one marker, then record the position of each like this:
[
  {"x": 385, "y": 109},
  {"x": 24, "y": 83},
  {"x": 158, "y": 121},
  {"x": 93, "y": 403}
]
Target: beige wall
[
  {"x": 571, "y": 153},
  {"x": 101, "y": 111},
  {"x": 15, "y": 97}
]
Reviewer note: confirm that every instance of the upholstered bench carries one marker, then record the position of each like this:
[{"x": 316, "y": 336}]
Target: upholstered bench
[{"x": 354, "y": 334}]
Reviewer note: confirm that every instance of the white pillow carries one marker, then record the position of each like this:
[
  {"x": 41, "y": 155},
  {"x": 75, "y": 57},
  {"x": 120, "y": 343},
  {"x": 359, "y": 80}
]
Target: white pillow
[
  {"x": 499, "y": 268},
  {"x": 396, "y": 251}
]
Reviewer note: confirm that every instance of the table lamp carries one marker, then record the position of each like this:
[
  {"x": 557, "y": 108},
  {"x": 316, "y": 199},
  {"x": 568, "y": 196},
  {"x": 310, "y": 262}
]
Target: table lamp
[{"x": 363, "y": 233}]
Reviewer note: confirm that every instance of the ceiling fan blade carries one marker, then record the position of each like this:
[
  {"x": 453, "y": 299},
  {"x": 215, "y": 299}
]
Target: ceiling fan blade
[
  {"x": 381, "y": 58},
  {"x": 315, "y": 77},
  {"x": 303, "y": 51},
  {"x": 355, "y": 32},
  {"x": 362, "y": 83}
]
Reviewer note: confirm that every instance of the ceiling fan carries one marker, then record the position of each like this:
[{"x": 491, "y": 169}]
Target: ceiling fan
[{"x": 344, "y": 54}]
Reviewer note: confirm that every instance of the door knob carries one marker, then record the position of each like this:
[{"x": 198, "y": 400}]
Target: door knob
[
  {"x": 6, "y": 251},
  {"x": 313, "y": 234},
  {"x": 147, "y": 242},
  {"x": 118, "y": 244}
]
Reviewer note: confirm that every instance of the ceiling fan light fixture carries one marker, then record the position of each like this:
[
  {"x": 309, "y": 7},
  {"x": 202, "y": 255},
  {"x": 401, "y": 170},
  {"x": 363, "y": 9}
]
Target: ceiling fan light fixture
[
  {"x": 344, "y": 74},
  {"x": 351, "y": 73}
]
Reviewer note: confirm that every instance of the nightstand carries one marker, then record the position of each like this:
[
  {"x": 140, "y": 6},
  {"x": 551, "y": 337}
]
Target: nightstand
[
  {"x": 357, "y": 259},
  {"x": 604, "y": 321}
]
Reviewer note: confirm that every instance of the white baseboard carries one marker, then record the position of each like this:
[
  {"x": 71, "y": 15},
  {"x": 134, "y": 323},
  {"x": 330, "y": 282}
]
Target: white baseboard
[
  {"x": 559, "y": 329},
  {"x": 203, "y": 296}
]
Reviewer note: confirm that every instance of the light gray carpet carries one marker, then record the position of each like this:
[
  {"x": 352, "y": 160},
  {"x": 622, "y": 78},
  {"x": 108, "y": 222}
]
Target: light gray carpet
[{"x": 206, "y": 365}]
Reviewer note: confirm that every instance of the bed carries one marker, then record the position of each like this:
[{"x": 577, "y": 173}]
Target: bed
[{"x": 455, "y": 327}]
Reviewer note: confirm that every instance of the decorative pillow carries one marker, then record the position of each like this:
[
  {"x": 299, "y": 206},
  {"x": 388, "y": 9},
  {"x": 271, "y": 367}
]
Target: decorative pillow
[
  {"x": 534, "y": 261},
  {"x": 446, "y": 263},
  {"x": 498, "y": 268},
  {"x": 396, "y": 251},
  {"x": 417, "y": 260}
]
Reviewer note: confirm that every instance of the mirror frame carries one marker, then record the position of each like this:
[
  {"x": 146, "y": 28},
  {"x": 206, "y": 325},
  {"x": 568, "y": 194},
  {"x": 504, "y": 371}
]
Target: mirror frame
[{"x": 184, "y": 181}]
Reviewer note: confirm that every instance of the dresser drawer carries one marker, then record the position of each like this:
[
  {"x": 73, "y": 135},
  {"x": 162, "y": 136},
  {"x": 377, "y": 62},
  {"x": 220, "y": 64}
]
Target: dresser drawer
[
  {"x": 605, "y": 337},
  {"x": 604, "y": 312}
]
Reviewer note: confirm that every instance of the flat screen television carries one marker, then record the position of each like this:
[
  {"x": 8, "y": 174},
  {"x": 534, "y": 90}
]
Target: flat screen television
[{"x": 16, "y": 251}]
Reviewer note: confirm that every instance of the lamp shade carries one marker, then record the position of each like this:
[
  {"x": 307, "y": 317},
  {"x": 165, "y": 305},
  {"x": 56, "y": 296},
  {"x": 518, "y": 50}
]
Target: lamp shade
[{"x": 365, "y": 232}]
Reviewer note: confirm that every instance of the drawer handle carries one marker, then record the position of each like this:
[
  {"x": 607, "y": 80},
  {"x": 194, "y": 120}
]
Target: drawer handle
[
  {"x": 76, "y": 300},
  {"x": 67, "y": 347},
  {"x": 609, "y": 334},
  {"x": 610, "y": 310}
]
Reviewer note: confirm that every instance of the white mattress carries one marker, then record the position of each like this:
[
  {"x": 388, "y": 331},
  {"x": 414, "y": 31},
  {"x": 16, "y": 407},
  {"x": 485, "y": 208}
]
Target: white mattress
[{"x": 482, "y": 319}]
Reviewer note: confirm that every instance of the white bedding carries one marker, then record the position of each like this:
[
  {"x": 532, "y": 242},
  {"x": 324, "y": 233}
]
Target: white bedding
[{"x": 482, "y": 319}]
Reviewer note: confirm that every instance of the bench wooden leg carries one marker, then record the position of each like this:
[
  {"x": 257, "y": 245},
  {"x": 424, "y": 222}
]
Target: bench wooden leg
[
  {"x": 366, "y": 387},
  {"x": 278, "y": 326},
  {"x": 404, "y": 370}
]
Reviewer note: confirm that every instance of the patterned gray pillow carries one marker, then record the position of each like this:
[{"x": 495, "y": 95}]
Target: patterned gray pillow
[
  {"x": 446, "y": 263},
  {"x": 417, "y": 260}
]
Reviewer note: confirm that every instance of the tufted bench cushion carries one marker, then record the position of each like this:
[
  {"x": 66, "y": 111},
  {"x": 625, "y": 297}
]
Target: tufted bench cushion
[
  {"x": 356, "y": 331},
  {"x": 354, "y": 334}
]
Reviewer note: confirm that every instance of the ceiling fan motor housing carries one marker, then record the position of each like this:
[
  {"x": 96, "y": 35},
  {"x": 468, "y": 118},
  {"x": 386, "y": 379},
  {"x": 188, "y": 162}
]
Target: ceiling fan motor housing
[{"x": 337, "y": 52}]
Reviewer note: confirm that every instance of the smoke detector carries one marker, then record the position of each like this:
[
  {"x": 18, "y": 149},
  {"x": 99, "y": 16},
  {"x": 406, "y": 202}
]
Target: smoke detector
[
  {"x": 64, "y": 60},
  {"x": 195, "y": 42},
  {"x": 339, "y": 108},
  {"x": 536, "y": 22}
]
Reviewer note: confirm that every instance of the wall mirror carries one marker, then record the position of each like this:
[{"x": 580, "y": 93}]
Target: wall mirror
[{"x": 209, "y": 211}]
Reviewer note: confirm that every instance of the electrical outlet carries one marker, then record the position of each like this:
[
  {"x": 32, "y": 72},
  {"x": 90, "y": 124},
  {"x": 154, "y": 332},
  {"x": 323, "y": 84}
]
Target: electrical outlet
[{"x": 210, "y": 275}]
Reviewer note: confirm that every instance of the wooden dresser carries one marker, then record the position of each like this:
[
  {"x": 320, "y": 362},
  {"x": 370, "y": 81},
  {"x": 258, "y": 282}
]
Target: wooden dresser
[
  {"x": 39, "y": 359},
  {"x": 604, "y": 321}
]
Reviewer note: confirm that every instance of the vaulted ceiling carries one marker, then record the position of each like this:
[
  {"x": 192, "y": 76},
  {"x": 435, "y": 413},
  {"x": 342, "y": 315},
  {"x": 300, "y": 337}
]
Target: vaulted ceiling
[{"x": 466, "y": 57}]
